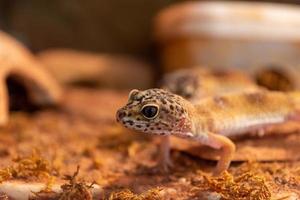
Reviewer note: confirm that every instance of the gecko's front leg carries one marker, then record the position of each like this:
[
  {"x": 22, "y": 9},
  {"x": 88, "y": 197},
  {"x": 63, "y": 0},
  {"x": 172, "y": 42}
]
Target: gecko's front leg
[
  {"x": 226, "y": 147},
  {"x": 165, "y": 161}
]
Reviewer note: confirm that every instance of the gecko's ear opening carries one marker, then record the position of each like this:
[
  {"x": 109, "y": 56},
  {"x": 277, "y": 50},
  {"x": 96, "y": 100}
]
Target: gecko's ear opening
[{"x": 132, "y": 93}]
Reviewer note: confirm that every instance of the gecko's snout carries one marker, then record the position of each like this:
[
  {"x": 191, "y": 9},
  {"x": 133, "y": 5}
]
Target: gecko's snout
[{"x": 120, "y": 114}]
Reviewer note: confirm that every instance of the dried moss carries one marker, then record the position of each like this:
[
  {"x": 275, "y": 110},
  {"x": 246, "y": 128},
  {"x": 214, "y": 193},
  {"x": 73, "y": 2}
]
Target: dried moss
[
  {"x": 31, "y": 167},
  {"x": 75, "y": 189},
  {"x": 283, "y": 175},
  {"x": 247, "y": 186},
  {"x": 152, "y": 194},
  {"x": 5, "y": 174}
]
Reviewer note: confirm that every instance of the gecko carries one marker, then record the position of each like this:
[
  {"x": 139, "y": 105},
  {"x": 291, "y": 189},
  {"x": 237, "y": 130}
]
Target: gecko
[
  {"x": 210, "y": 122},
  {"x": 197, "y": 83}
]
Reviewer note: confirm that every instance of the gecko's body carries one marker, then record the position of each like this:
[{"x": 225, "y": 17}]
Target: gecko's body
[
  {"x": 233, "y": 114},
  {"x": 197, "y": 83},
  {"x": 158, "y": 112}
]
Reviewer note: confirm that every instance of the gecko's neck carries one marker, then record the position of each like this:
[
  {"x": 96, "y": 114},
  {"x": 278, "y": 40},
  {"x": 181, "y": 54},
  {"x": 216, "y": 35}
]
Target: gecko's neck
[{"x": 191, "y": 114}]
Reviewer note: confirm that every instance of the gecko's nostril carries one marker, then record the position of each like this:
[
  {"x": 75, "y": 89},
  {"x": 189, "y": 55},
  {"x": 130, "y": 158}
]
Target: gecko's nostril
[{"x": 120, "y": 114}]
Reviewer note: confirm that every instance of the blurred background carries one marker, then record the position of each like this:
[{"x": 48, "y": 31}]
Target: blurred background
[
  {"x": 111, "y": 26},
  {"x": 126, "y": 28}
]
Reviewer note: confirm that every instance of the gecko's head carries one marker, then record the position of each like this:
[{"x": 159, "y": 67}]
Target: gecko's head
[
  {"x": 155, "y": 111},
  {"x": 184, "y": 83}
]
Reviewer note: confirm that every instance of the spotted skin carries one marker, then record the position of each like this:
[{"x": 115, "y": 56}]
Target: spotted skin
[
  {"x": 210, "y": 121},
  {"x": 197, "y": 83}
]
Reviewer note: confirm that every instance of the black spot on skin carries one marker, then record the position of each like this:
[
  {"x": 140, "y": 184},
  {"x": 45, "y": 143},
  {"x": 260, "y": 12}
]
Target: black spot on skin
[
  {"x": 151, "y": 129},
  {"x": 171, "y": 107},
  {"x": 163, "y": 101},
  {"x": 158, "y": 128},
  {"x": 171, "y": 101},
  {"x": 129, "y": 115},
  {"x": 138, "y": 119},
  {"x": 129, "y": 122},
  {"x": 148, "y": 125},
  {"x": 138, "y": 126},
  {"x": 145, "y": 129}
]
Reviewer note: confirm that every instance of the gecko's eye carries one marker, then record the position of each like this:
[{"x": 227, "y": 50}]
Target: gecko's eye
[{"x": 150, "y": 111}]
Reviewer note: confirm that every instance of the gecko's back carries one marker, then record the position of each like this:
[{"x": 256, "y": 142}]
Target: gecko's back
[{"x": 236, "y": 113}]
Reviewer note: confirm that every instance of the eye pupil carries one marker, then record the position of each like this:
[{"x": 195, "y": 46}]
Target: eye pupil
[{"x": 149, "y": 111}]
